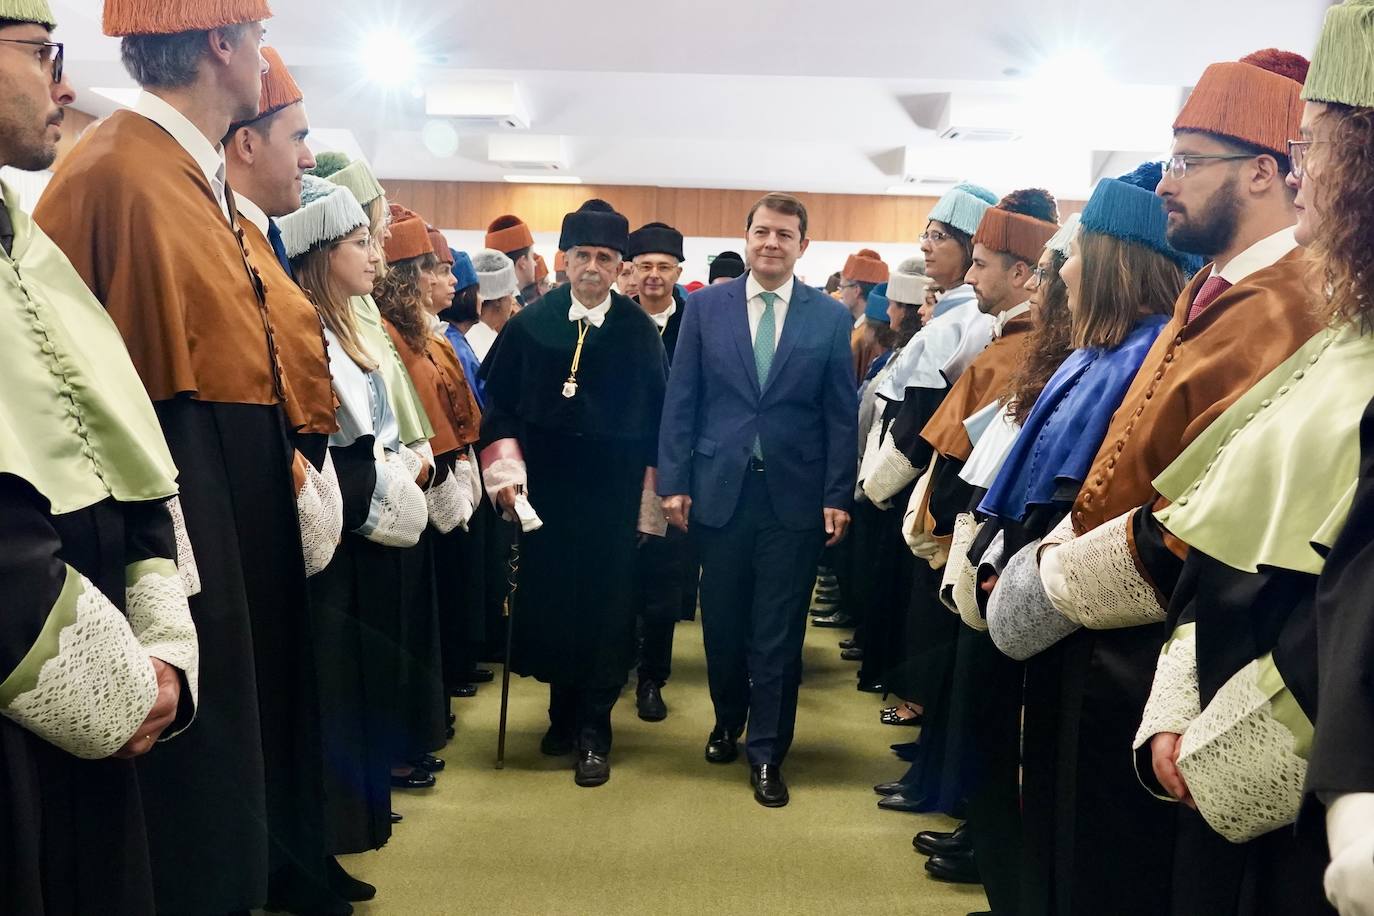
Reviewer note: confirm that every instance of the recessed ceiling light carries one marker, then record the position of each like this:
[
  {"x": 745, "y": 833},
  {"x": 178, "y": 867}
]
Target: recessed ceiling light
[{"x": 543, "y": 179}]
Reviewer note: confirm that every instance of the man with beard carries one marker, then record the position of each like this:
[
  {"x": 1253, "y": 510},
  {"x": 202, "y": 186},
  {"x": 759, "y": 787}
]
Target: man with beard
[
  {"x": 656, "y": 256},
  {"x": 574, "y": 390},
  {"x": 98, "y": 654},
  {"x": 142, "y": 208},
  {"x": 1243, "y": 315}
]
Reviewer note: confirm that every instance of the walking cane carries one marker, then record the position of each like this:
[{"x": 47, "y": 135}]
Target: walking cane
[{"x": 507, "y": 613}]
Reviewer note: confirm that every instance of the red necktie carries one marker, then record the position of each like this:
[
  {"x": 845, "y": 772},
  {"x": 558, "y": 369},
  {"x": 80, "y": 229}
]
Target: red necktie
[{"x": 1213, "y": 287}]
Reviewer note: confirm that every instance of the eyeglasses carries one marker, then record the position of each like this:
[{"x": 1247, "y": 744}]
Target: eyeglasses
[
  {"x": 1297, "y": 156},
  {"x": 1039, "y": 274},
  {"x": 935, "y": 236},
  {"x": 1177, "y": 166},
  {"x": 51, "y": 54},
  {"x": 848, "y": 284}
]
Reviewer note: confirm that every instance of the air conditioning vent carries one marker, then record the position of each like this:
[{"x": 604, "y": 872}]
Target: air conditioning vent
[
  {"x": 534, "y": 152},
  {"x": 478, "y": 105},
  {"x": 980, "y": 134}
]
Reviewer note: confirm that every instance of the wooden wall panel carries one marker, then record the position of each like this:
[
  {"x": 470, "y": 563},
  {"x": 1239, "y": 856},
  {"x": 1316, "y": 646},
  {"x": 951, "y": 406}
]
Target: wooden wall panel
[{"x": 694, "y": 211}]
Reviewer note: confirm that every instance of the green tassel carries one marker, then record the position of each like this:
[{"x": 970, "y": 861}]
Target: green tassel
[
  {"x": 28, "y": 11},
  {"x": 327, "y": 164},
  {"x": 1343, "y": 65}
]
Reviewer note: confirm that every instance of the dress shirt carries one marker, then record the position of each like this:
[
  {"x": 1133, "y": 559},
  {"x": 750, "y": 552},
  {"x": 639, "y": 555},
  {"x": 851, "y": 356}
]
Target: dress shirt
[
  {"x": 661, "y": 319},
  {"x": 754, "y": 291},
  {"x": 595, "y": 315},
  {"x": 1264, "y": 253},
  {"x": 253, "y": 213},
  {"x": 1000, "y": 322},
  {"x": 480, "y": 337},
  {"x": 209, "y": 157}
]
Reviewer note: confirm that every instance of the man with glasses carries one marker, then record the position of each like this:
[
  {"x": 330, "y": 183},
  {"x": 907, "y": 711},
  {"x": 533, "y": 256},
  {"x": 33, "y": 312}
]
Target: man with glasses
[
  {"x": 98, "y": 654},
  {"x": 655, "y": 254},
  {"x": 143, "y": 208},
  {"x": 1225, "y": 194}
]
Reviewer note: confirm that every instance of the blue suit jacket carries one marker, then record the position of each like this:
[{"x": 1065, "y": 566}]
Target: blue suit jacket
[{"x": 805, "y": 415}]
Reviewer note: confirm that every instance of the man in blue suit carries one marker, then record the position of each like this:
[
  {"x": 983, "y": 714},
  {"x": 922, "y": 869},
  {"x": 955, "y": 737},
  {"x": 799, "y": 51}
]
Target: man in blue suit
[{"x": 758, "y": 448}]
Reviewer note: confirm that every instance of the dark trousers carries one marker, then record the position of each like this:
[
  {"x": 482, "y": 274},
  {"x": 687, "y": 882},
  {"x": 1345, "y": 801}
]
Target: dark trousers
[
  {"x": 583, "y": 714},
  {"x": 662, "y": 571},
  {"x": 756, "y": 578}
]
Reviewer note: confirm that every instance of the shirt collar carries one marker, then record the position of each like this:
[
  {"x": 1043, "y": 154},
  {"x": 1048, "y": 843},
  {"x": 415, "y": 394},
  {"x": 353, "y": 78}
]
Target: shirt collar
[
  {"x": 661, "y": 319},
  {"x": 1001, "y": 321},
  {"x": 598, "y": 311},
  {"x": 208, "y": 157},
  {"x": 752, "y": 289},
  {"x": 253, "y": 212},
  {"x": 1264, "y": 253}
]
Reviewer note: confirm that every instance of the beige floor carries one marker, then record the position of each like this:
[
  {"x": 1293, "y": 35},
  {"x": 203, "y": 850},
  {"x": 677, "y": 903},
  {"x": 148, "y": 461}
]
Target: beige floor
[{"x": 669, "y": 833}]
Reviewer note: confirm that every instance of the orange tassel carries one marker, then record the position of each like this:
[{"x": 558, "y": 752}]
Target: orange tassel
[{"x": 168, "y": 17}]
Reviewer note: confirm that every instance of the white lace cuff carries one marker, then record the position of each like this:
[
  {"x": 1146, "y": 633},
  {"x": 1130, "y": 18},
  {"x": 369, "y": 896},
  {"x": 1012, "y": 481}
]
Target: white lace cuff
[
  {"x": 319, "y": 506},
  {"x": 502, "y": 473},
  {"x": 1174, "y": 700},
  {"x": 1102, "y": 587},
  {"x": 1243, "y": 756},
  {"x": 398, "y": 515},
  {"x": 890, "y": 474},
  {"x": 86, "y": 685},
  {"x": 966, "y": 528},
  {"x": 966, "y": 599},
  {"x": 161, "y": 621},
  {"x": 469, "y": 491},
  {"x": 186, "y": 557},
  {"x": 443, "y": 500},
  {"x": 1021, "y": 619}
]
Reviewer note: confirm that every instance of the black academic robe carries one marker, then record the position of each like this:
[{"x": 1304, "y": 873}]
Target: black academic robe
[
  {"x": 573, "y": 618},
  {"x": 232, "y": 782},
  {"x": 72, "y": 836},
  {"x": 357, "y": 611}
]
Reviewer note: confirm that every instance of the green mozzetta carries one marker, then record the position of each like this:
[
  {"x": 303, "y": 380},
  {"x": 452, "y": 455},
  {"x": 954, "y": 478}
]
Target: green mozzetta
[
  {"x": 1276, "y": 473},
  {"x": 75, "y": 420},
  {"x": 24, "y": 677},
  {"x": 405, "y": 402}
]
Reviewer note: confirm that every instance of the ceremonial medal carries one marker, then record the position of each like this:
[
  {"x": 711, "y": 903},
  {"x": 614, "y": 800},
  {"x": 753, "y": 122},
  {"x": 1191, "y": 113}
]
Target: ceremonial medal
[{"x": 570, "y": 387}]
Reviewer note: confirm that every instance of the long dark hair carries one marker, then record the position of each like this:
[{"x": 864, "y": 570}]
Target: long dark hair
[
  {"x": 1121, "y": 283},
  {"x": 398, "y": 298},
  {"x": 1048, "y": 344}
]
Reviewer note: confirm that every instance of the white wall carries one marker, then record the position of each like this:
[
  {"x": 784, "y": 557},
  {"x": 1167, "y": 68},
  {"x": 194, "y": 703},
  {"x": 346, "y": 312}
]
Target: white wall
[{"x": 820, "y": 261}]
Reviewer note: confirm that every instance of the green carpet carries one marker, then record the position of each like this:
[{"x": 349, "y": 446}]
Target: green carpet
[{"x": 669, "y": 833}]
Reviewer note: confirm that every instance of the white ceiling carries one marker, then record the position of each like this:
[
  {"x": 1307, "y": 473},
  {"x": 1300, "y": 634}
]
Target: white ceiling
[{"x": 835, "y": 97}]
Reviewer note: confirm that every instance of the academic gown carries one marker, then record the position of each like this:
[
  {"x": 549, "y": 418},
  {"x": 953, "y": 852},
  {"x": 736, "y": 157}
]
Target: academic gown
[
  {"x": 228, "y": 784},
  {"x": 585, "y": 456},
  {"x": 1114, "y": 842}
]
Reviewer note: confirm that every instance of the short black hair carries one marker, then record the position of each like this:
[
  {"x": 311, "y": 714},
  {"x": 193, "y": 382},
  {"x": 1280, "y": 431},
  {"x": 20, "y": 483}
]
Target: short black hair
[
  {"x": 866, "y": 288},
  {"x": 464, "y": 307},
  {"x": 518, "y": 253}
]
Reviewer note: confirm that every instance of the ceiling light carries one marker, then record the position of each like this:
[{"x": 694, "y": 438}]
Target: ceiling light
[
  {"x": 389, "y": 58},
  {"x": 543, "y": 179}
]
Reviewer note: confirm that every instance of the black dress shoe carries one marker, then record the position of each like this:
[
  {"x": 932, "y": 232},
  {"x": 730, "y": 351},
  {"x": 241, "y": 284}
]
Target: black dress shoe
[
  {"x": 345, "y": 885},
  {"x": 957, "y": 869},
  {"x": 554, "y": 744},
  {"x": 592, "y": 769},
  {"x": 900, "y": 801},
  {"x": 649, "y": 701},
  {"x": 836, "y": 620},
  {"x": 851, "y": 655},
  {"x": 769, "y": 788},
  {"x": 418, "y": 779},
  {"x": 463, "y": 691},
  {"x": 893, "y": 719},
  {"x": 722, "y": 746},
  {"x": 429, "y": 763},
  {"x": 453, "y": 718},
  {"x": 396, "y": 818},
  {"x": 848, "y": 644},
  {"x": 943, "y": 843},
  {"x": 890, "y": 788},
  {"x": 481, "y": 676},
  {"x": 871, "y": 687}
]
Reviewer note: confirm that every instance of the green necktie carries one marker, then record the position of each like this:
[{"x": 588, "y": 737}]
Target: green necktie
[{"x": 765, "y": 345}]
